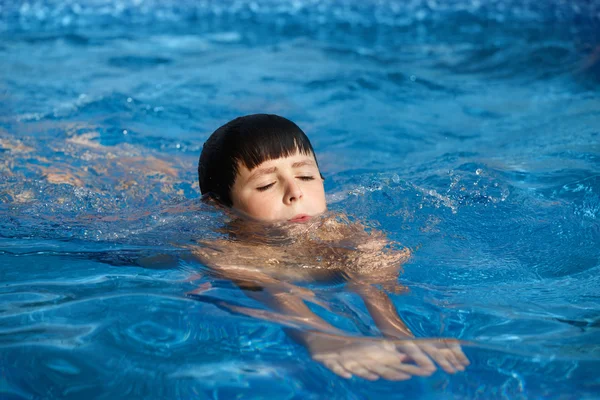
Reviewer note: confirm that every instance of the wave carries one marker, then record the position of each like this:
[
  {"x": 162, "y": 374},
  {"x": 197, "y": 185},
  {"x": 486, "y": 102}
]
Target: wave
[{"x": 53, "y": 14}]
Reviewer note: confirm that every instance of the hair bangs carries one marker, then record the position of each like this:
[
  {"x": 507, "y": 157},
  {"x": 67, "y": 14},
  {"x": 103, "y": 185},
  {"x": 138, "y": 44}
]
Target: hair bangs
[{"x": 274, "y": 145}]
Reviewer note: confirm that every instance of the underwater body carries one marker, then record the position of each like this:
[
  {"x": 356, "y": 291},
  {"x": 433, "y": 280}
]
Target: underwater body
[{"x": 467, "y": 131}]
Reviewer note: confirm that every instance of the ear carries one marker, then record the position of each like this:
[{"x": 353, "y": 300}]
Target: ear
[{"x": 212, "y": 199}]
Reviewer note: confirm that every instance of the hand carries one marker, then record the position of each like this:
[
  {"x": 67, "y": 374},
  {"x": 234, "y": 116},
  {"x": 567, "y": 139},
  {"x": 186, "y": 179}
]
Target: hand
[
  {"x": 370, "y": 360},
  {"x": 446, "y": 353}
]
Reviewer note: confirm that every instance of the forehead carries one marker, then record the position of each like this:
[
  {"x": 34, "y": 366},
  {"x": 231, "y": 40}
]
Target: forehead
[{"x": 295, "y": 160}]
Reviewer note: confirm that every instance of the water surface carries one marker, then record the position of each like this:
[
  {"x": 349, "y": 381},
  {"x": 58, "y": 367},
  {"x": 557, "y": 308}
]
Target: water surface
[{"x": 468, "y": 131}]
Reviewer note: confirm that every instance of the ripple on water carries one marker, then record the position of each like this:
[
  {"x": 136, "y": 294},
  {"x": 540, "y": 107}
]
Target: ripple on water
[
  {"x": 138, "y": 62},
  {"x": 231, "y": 373},
  {"x": 26, "y": 299},
  {"x": 428, "y": 129},
  {"x": 153, "y": 334},
  {"x": 154, "y": 330},
  {"x": 46, "y": 334},
  {"x": 63, "y": 366}
]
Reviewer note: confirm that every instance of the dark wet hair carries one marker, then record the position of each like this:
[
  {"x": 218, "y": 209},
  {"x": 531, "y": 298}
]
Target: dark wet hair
[{"x": 250, "y": 140}]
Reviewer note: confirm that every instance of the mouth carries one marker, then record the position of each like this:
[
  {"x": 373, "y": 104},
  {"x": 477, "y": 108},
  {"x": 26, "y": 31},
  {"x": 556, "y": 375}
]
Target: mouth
[{"x": 300, "y": 218}]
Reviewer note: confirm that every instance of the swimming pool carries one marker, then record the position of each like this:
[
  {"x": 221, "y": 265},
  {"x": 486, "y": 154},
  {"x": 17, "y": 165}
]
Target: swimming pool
[{"x": 467, "y": 130}]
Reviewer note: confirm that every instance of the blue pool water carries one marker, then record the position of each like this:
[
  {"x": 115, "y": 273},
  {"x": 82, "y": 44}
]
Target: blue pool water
[{"x": 466, "y": 130}]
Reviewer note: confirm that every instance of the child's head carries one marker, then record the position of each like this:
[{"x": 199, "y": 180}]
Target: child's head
[{"x": 264, "y": 166}]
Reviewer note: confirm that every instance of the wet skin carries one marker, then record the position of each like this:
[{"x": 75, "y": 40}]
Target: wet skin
[{"x": 277, "y": 191}]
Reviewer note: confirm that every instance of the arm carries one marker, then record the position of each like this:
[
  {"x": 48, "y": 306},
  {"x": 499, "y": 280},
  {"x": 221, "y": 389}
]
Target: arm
[
  {"x": 387, "y": 262},
  {"x": 383, "y": 311},
  {"x": 377, "y": 251},
  {"x": 447, "y": 354},
  {"x": 344, "y": 355}
]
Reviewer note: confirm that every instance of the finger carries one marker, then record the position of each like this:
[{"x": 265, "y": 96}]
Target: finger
[
  {"x": 391, "y": 350},
  {"x": 359, "y": 370},
  {"x": 397, "y": 361},
  {"x": 389, "y": 373},
  {"x": 449, "y": 355},
  {"x": 444, "y": 351},
  {"x": 439, "y": 358},
  {"x": 460, "y": 355},
  {"x": 411, "y": 369},
  {"x": 458, "y": 360},
  {"x": 414, "y": 352},
  {"x": 389, "y": 358},
  {"x": 337, "y": 368},
  {"x": 454, "y": 347}
]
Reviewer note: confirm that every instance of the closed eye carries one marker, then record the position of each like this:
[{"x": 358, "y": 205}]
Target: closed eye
[
  {"x": 306, "y": 178},
  {"x": 263, "y": 188}
]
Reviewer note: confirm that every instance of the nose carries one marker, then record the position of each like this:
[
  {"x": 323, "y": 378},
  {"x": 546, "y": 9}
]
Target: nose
[{"x": 293, "y": 192}]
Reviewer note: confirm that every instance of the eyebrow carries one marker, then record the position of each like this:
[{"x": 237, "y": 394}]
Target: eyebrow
[
  {"x": 303, "y": 163},
  {"x": 266, "y": 171},
  {"x": 260, "y": 172}
]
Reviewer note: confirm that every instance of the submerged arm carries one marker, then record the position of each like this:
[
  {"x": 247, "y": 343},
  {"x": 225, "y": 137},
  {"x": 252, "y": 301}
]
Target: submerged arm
[
  {"x": 344, "y": 355},
  {"x": 383, "y": 311},
  {"x": 387, "y": 262},
  {"x": 380, "y": 263},
  {"x": 446, "y": 353}
]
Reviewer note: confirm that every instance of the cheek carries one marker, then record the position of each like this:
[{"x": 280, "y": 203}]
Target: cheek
[
  {"x": 260, "y": 205},
  {"x": 323, "y": 202},
  {"x": 317, "y": 194}
]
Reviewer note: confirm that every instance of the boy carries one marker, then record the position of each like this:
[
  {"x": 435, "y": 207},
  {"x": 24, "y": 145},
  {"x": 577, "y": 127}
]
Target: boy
[{"x": 263, "y": 168}]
